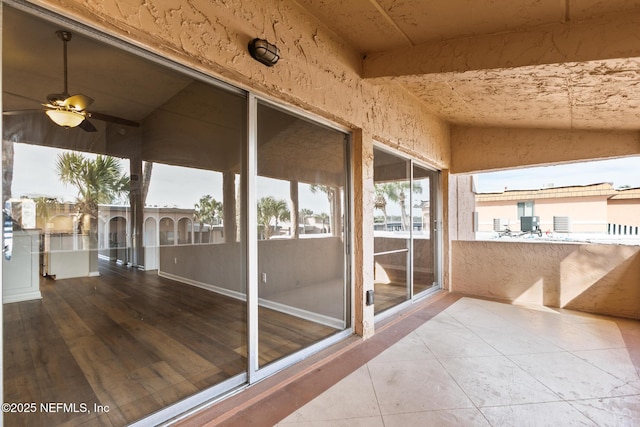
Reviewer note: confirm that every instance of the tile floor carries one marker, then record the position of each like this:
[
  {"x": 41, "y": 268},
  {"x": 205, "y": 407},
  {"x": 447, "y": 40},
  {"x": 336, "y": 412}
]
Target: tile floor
[{"x": 483, "y": 363}]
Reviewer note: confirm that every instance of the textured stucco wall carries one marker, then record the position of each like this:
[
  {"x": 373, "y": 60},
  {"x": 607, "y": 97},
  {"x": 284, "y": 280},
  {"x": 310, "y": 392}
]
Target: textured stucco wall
[
  {"x": 603, "y": 279},
  {"x": 463, "y": 204},
  {"x": 317, "y": 71},
  {"x": 475, "y": 149}
]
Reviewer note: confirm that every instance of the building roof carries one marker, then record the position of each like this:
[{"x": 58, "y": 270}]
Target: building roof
[
  {"x": 604, "y": 189},
  {"x": 627, "y": 193}
]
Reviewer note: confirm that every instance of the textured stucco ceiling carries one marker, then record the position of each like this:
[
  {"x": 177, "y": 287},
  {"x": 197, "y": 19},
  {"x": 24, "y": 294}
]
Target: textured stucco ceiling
[{"x": 533, "y": 63}]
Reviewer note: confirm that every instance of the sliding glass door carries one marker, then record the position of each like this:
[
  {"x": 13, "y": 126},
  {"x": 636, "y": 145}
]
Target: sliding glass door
[
  {"x": 148, "y": 264},
  {"x": 301, "y": 277},
  {"x": 425, "y": 228},
  {"x": 405, "y": 229}
]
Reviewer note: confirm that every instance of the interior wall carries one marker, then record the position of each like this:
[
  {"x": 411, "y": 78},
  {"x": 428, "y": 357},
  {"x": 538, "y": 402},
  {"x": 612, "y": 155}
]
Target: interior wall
[
  {"x": 310, "y": 262},
  {"x": 219, "y": 265},
  {"x": 475, "y": 149},
  {"x": 600, "y": 279}
]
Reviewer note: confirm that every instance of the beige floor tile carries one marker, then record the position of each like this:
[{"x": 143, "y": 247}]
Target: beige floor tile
[
  {"x": 347, "y": 422},
  {"x": 483, "y": 363},
  {"x": 592, "y": 335},
  {"x": 551, "y": 414},
  {"x": 572, "y": 377},
  {"x": 616, "y": 362},
  {"x": 410, "y": 347},
  {"x": 353, "y": 397},
  {"x": 447, "y": 418},
  {"x": 511, "y": 339},
  {"x": 611, "y": 412},
  {"x": 446, "y": 337},
  {"x": 495, "y": 380},
  {"x": 415, "y": 386}
]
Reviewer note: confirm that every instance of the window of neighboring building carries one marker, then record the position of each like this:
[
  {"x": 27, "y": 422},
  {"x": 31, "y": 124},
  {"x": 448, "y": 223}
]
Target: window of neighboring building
[{"x": 525, "y": 208}]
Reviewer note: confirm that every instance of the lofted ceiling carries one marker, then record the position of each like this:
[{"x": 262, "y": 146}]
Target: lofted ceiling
[{"x": 570, "y": 64}]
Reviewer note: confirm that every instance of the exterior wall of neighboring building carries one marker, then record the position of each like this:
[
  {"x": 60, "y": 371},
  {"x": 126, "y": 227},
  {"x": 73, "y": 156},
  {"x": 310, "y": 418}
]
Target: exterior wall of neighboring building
[
  {"x": 589, "y": 209},
  {"x": 623, "y": 209},
  {"x": 586, "y": 214}
]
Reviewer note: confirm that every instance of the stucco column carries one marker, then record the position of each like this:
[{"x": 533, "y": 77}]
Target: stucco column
[
  {"x": 294, "y": 208},
  {"x": 363, "y": 195},
  {"x": 137, "y": 211},
  {"x": 229, "y": 206},
  {"x": 449, "y": 225}
]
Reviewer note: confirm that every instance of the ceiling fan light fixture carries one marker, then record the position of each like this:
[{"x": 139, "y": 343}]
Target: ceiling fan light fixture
[{"x": 65, "y": 118}]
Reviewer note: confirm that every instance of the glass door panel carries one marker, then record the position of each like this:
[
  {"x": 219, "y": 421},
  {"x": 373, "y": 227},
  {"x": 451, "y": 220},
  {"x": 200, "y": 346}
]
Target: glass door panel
[
  {"x": 302, "y": 287},
  {"x": 424, "y": 217},
  {"x": 392, "y": 230},
  {"x": 127, "y": 274}
]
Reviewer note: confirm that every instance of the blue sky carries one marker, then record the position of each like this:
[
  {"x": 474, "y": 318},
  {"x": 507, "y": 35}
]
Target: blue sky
[{"x": 624, "y": 171}]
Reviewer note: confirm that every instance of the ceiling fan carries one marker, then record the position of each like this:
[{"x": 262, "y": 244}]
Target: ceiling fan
[{"x": 71, "y": 110}]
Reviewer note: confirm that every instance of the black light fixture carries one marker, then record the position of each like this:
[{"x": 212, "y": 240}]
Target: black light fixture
[{"x": 263, "y": 51}]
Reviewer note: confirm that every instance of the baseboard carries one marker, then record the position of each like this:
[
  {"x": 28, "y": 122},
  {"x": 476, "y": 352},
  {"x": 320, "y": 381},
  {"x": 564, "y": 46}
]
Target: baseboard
[{"x": 283, "y": 308}]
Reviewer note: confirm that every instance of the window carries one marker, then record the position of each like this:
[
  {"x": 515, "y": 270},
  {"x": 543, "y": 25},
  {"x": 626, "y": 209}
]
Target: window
[{"x": 525, "y": 209}]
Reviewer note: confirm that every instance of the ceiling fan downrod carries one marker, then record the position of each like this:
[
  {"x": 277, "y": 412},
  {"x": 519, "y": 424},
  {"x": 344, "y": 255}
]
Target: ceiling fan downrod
[{"x": 65, "y": 36}]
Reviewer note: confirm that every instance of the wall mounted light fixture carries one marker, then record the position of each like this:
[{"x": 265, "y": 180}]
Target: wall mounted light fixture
[{"x": 263, "y": 51}]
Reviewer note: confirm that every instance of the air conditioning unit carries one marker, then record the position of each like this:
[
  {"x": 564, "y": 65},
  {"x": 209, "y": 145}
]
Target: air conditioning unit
[{"x": 529, "y": 223}]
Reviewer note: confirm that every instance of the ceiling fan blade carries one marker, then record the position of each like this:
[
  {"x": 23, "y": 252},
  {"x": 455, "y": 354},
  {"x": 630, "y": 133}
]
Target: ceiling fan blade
[
  {"x": 77, "y": 102},
  {"x": 57, "y": 99},
  {"x": 87, "y": 126},
  {"x": 113, "y": 119},
  {"x": 18, "y": 112}
]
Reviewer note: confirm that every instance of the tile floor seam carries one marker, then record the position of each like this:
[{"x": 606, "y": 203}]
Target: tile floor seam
[
  {"x": 607, "y": 372},
  {"x": 534, "y": 377},
  {"x": 375, "y": 392},
  {"x": 457, "y": 383},
  {"x": 585, "y": 414}
]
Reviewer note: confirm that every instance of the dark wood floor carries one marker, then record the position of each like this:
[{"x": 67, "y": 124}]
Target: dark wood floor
[
  {"x": 132, "y": 341},
  {"x": 390, "y": 294}
]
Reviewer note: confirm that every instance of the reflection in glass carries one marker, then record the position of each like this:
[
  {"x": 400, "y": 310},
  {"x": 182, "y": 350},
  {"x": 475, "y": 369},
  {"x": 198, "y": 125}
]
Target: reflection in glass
[
  {"x": 423, "y": 221},
  {"x": 404, "y": 220},
  {"x": 392, "y": 230},
  {"x": 126, "y": 279},
  {"x": 301, "y": 251}
]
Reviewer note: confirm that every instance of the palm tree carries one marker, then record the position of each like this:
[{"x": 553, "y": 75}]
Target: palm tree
[
  {"x": 270, "y": 209},
  {"x": 98, "y": 181},
  {"x": 395, "y": 192},
  {"x": 207, "y": 210},
  {"x": 45, "y": 208},
  {"x": 331, "y": 198}
]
